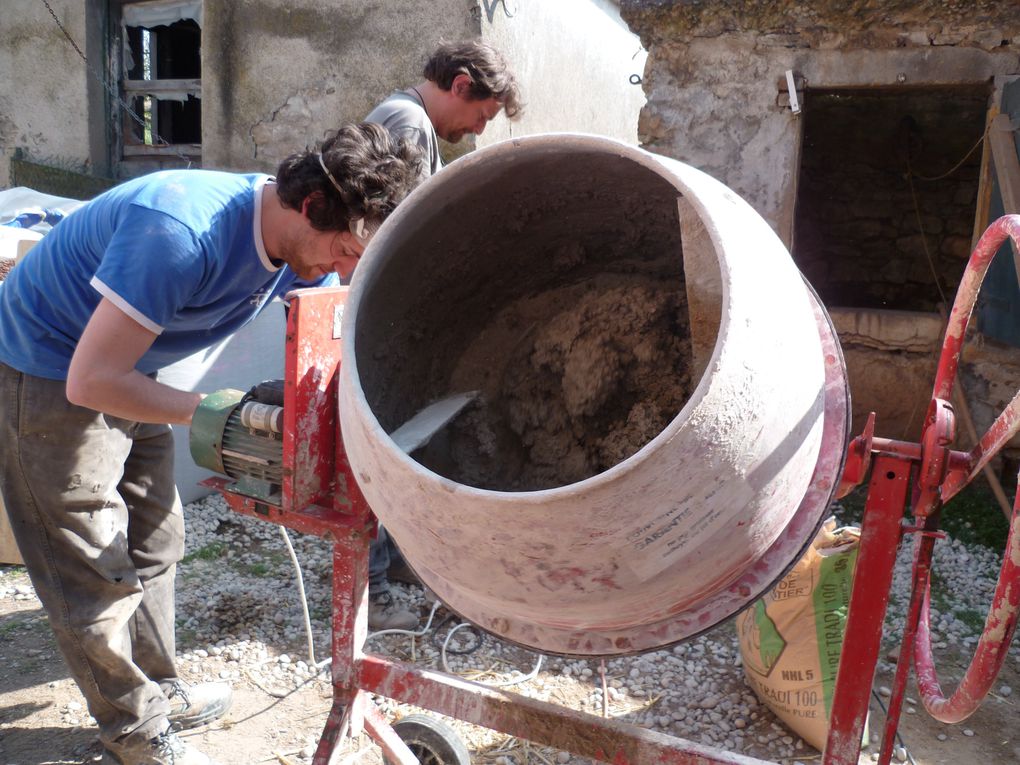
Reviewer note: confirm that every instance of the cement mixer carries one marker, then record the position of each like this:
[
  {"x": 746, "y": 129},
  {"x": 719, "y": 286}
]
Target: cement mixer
[
  {"x": 586, "y": 507},
  {"x": 657, "y": 424}
]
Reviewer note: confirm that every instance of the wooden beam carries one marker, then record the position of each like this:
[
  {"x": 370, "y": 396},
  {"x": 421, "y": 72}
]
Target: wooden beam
[
  {"x": 984, "y": 196},
  {"x": 1007, "y": 170},
  {"x": 171, "y": 150},
  {"x": 1007, "y": 165},
  {"x": 158, "y": 87}
]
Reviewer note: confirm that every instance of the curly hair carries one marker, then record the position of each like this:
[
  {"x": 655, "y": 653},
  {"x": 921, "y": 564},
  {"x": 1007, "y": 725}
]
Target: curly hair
[
  {"x": 489, "y": 72},
  {"x": 369, "y": 172}
]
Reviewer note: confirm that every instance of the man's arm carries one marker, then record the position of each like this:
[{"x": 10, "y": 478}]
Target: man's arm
[{"x": 102, "y": 375}]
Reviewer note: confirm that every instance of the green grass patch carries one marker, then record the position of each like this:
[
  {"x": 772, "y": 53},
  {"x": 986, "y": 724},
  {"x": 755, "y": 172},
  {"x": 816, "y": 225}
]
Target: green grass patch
[
  {"x": 849, "y": 511},
  {"x": 941, "y": 599},
  {"x": 320, "y": 613},
  {"x": 259, "y": 569},
  {"x": 944, "y": 602},
  {"x": 185, "y": 636},
  {"x": 972, "y": 516},
  {"x": 972, "y": 618},
  {"x": 212, "y": 551}
]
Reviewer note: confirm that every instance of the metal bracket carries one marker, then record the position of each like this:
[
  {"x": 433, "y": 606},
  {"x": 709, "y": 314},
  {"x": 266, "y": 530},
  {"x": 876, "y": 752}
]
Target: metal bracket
[
  {"x": 912, "y": 529},
  {"x": 338, "y": 318},
  {"x": 791, "y": 88}
]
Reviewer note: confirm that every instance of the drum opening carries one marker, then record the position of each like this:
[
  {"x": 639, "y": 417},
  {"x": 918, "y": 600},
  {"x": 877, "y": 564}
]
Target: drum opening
[{"x": 553, "y": 281}]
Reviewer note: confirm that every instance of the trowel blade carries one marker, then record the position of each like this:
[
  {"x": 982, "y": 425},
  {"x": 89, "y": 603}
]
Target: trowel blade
[{"x": 417, "y": 431}]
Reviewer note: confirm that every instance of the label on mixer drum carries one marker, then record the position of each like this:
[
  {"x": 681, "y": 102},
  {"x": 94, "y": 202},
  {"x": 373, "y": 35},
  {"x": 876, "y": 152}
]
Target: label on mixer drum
[{"x": 663, "y": 540}]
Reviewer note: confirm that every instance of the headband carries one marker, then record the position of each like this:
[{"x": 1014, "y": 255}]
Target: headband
[
  {"x": 357, "y": 226},
  {"x": 322, "y": 164}
]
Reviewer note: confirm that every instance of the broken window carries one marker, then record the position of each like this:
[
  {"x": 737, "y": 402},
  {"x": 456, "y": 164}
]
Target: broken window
[{"x": 162, "y": 79}]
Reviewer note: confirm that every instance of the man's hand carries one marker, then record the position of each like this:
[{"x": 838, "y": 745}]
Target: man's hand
[{"x": 102, "y": 375}]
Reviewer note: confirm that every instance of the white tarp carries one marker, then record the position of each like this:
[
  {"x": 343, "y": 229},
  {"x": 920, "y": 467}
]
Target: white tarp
[
  {"x": 162, "y": 12},
  {"x": 20, "y": 199},
  {"x": 154, "y": 14}
]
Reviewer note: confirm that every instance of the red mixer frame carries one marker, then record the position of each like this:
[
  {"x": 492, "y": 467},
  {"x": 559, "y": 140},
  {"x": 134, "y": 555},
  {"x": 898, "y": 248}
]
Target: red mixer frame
[{"x": 320, "y": 496}]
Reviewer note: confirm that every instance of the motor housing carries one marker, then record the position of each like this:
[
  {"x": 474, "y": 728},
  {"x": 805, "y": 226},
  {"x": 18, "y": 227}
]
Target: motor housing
[{"x": 240, "y": 435}]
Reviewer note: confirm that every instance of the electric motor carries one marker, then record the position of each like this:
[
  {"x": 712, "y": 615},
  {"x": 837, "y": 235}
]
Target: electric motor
[{"x": 240, "y": 435}]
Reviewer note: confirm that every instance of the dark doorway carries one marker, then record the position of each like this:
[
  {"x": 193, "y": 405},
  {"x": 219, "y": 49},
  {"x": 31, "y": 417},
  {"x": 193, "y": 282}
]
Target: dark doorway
[{"x": 887, "y": 194}]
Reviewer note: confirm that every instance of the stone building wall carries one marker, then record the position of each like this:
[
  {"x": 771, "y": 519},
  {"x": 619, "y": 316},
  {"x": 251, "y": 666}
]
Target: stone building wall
[
  {"x": 276, "y": 75},
  {"x": 333, "y": 60},
  {"x": 579, "y": 63},
  {"x": 715, "y": 79}
]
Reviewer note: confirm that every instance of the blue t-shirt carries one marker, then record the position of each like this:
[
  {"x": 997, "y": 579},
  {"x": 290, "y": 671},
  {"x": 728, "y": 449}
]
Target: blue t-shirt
[{"x": 179, "y": 251}]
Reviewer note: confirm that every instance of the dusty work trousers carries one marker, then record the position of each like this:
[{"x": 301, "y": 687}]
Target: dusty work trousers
[
  {"x": 382, "y": 553},
  {"x": 92, "y": 502}
]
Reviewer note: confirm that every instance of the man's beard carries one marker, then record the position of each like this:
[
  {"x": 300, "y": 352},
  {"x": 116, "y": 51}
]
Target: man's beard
[{"x": 290, "y": 252}]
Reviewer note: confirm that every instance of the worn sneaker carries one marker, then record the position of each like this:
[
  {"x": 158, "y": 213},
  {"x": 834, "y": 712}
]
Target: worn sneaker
[
  {"x": 384, "y": 613},
  {"x": 194, "y": 705},
  {"x": 165, "y": 749}
]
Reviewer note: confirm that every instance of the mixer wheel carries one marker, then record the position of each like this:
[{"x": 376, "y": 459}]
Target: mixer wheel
[{"x": 431, "y": 741}]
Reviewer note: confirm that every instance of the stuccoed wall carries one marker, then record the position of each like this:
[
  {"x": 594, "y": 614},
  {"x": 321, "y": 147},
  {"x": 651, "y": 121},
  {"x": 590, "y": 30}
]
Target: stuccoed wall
[
  {"x": 714, "y": 71},
  {"x": 43, "y": 103},
  {"x": 277, "y": 74},
  {"x": 295, "y": 69},
  {"x": 574, "y": 59}
]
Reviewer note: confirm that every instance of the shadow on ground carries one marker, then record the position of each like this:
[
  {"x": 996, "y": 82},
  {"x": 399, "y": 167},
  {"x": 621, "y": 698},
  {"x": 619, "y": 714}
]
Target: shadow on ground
[
  {"x": 47, "y": 745},
  {"x": 28, "y": 651}
]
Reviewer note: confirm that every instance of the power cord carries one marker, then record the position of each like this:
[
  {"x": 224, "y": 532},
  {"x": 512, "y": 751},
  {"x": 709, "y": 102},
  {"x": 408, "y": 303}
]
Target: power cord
[
  {"x": 419, "y": 633},
  {"x": 445, "y": 649},
  {"x": 444, "y": 646},
  {"x": 899, "y": 739},
  {"x": 444, "y": 643},
  {"x": 301, "y": 594}
]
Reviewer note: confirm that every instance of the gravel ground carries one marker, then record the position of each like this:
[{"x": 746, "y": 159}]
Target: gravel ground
[
  {"x": 250, "y": 612},
  {"x": 238, "y": 603}
]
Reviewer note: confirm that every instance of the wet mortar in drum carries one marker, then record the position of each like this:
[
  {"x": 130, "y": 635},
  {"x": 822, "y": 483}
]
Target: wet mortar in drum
[
  {"x": 582, "y": 357},
  {"x": 575, "y": 380}
]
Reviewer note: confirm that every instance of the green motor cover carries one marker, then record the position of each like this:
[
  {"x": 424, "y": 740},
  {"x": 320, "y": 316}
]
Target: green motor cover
[{"x": 208, "y": 426}]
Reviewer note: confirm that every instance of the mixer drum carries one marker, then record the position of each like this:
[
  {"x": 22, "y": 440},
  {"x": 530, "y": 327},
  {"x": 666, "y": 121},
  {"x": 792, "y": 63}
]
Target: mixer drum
[{"x": 553, "y": 273}]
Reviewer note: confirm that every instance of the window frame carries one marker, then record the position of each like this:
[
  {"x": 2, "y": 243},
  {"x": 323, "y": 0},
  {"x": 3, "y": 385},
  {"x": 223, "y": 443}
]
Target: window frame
[{"x": 126, "y": 146}]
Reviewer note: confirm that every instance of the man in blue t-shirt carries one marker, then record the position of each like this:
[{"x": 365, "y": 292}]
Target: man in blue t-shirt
[
  {"x": 466, "y": 84},
  {"x": 144, "y": 275}
]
